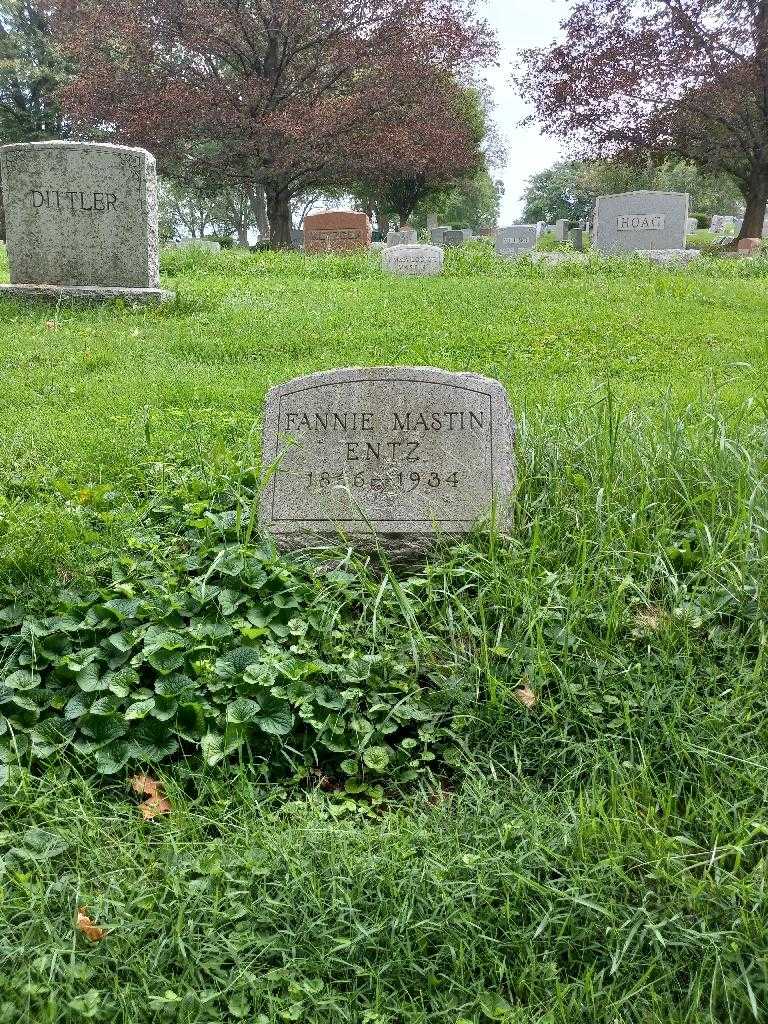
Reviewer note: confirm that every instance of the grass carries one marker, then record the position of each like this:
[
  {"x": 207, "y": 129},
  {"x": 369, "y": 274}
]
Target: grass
[{"x": 598, "y": 857}]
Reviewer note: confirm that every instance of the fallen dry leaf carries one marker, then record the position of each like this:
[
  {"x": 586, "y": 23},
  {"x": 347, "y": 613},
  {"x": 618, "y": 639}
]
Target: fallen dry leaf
[
  {"x": 145, "y": 785},
  {"x": 649, "y": 620},
  {"x": 154, "y": 806},
  {"x": 526, "y": 696},
  {"x": 90, "y": 930},
  {"x": 51, "y": 325}
]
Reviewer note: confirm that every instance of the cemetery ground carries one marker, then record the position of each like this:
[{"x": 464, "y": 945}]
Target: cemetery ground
[{"x": 578, "y": 830}]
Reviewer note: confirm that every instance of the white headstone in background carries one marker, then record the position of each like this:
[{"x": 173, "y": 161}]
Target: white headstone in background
[
  {"x": 81, "y": 221},
  {"x": 413, "y": 260}
]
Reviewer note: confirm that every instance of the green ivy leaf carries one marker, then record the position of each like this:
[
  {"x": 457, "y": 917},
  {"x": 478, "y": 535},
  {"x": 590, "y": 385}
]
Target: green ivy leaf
[
  {"x": 50, "y": 735},
  {"x": 275, "y": 716},
  {"x": 102, "y": 729},
  {"x": 22, "y": 679},
  {"x": 77, "y": 705},
  {"x": 216, "y": 747},
  {"x": 152, "y": 741},
  {"x": 89, "y": 680},
  {"x": 166, "y": 661},
  {"x": 139, "y": 709},
  {"x": 376, "y": 758},
  {"x": 106, "y": 705},
  {"x": 243, "y": 712},
  {"x": 113, "y": 757},
  {"x": 174, "y": 686}
]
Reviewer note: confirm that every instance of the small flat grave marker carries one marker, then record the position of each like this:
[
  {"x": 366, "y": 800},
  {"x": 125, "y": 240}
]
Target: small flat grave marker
[
  {"x": 395, "y": 454},
  {"x": 413, "y": 260}
]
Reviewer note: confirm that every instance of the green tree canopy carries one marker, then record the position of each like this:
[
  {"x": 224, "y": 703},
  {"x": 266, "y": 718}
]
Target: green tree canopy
[{"x": 31, "y": 71}]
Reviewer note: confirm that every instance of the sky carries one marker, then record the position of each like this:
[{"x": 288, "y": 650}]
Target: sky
[{"x": 520, "y": 23}]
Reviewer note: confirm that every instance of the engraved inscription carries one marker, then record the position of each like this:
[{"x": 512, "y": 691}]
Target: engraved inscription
[
  {"x": 640, "y": 222},
  {"x": 376, "y": 457},
  {"x": 71, "y": 201}
]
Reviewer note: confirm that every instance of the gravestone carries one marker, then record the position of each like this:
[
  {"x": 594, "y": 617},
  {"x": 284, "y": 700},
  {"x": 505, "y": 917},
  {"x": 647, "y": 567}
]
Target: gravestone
[
  {"x": 487, "y": 232},
  {"x": 413, "y": 260},
  {"x": 453, "y": 237},
  {"x": 438, "y": 235},
  {"x": 337, "y": 231},
  {"x": 209, "y": 244},
  {"x": 562, "y": 227},
  {"x": 636, "y": 221},
  {"x": 670, "y": 256},
  {"x": 402, "y": 454},
  {"x": 748, "y": 246},
  {"x": 81, "y": 221},
  {"x": 297, "y": 238},
  {"x": 517, "y": 239},
  {"x": 576, "y": 238},
  {"x": 405, "y": 236},
  {"x": 467, "y": 232},
  {"x": 691, "y": 225},
  {"x": 432, "y": 221}
]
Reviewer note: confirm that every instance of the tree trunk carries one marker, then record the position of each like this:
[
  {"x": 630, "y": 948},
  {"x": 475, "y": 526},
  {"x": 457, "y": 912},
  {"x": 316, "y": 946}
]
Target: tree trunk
[
  {"x": 382, "y": 220},
  {"x": 757, "y": 197},
  {"x": 279, "y": 214},
  {"x": 259, "y": 211}
]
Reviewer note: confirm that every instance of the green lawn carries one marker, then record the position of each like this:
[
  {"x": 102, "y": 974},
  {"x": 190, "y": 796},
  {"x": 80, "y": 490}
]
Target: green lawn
[{"x": 597, "y": 857}]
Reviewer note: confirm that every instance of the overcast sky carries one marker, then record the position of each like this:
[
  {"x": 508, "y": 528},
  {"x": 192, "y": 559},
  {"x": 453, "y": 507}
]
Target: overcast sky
[{"x": 520, "y": 23}]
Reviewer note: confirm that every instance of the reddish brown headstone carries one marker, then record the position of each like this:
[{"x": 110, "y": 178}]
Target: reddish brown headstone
[{"x": 337, "y": 231}]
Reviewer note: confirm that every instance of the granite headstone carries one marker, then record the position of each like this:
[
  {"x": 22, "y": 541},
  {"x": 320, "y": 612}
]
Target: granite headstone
[
  {"x": 517, "y": 239},
  {"x": 81, "y": 221},
  {"x": 454, "y": 237},
  {"x": 398, "y": 455},
  {"x": 336, "y": 231},
  {"x": 636, "y": 221},
  {"x": 413, "y": 260}
]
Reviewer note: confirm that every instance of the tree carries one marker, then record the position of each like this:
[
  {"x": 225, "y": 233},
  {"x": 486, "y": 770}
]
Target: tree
[
  {"x": 662, "y": 78},
  {"x": 280, "y": 94},
  {"x": 426, "y": 150},
  {"x": 472, "y": 203},
  {"x": 569, "y": 189},
  {"x": 31, "y": 71}
]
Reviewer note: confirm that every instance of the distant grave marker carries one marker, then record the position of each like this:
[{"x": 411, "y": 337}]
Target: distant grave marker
[
  {"x": 398, "y": 454},
  {"x": 636, "y": 221},
  {"x": 81, "y": 221},
  {"x": 453, "y": 237},
  {"x": 336, "y": 231},
  {"x": 517, "y": 239},
  {"x": 413, "y": 260}
]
